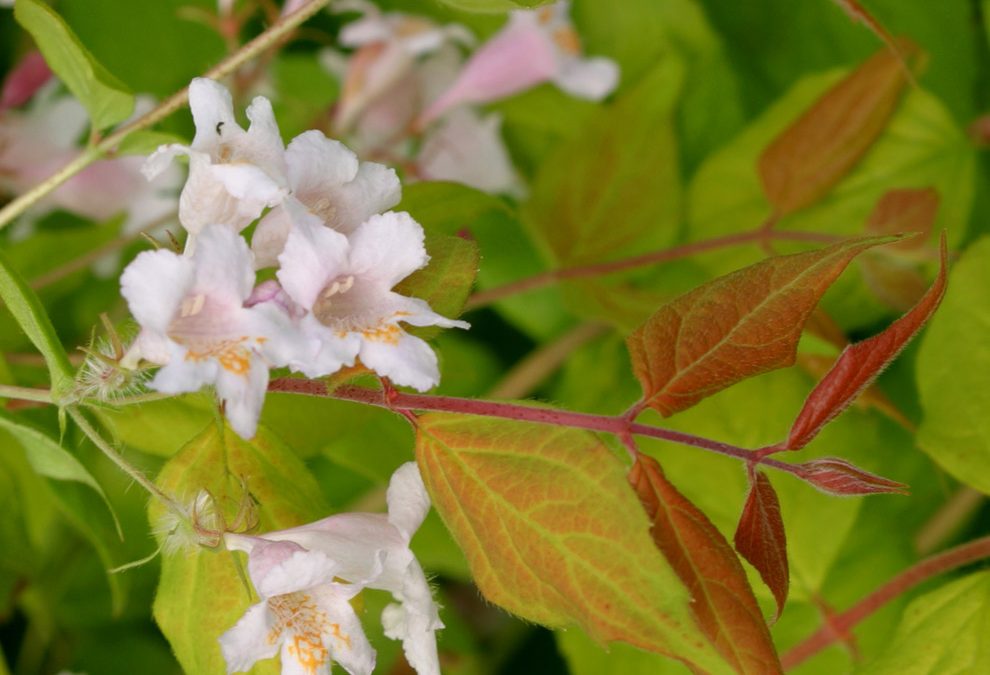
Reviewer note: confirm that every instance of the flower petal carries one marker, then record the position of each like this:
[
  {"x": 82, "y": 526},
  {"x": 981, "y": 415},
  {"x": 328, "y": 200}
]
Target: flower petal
[
  {"x": 247, "y": 642},
  {"x": 262, "y": 145},
  {"x": 417, "y": 312},
  {"x": 466, "y": 148},
  {"x": 345, "y": 640},
  {"x": 212, "y": 111},
  {"x": 154, "y": 285},
  {"x": 161, "y": 159},
  {"x": 317, "y": 163},
  {"x": 408, "y": 361},
  {"x": 243, "y": 393},
  {"x": 181, "y": 375},
  {"x": 415, "y": 621},
  {"x": 408, "y": 502},
  {"x": 269, "y": 237},
  {"x": 374, "y": 189},
  {"x": 593, "y": 78},
  {"x": 282, "y": 567},
  {"x": 313, "y": 256},
  {"x": 329, "y": 353},
  {"x": 388, "y": 248},
  {"x": 224, "y": 265}
]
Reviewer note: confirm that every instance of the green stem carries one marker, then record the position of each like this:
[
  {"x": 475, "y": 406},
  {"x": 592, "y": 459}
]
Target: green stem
[
  {"x": 122, "y": 463},
  {"x": 261, "y": 43},
  {"x": 25, "y": 393}
]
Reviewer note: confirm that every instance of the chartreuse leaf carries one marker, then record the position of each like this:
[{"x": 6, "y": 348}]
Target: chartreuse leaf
[
  {"x": 105, "y": 98},
  {"x": 818, "y": 149},
  {"x": 943, "y": 632},
  {"x": 160, "y": 427},
  {"x": 733, "y": 327},
  {"x": 200, "y": 594},
  {"x": 23, "y": 303},
  {"x": 953, "y": 372},
  {"x": 723, "y": 606},
  {"x": 586, "y": 657},
  {"x": 553, "y": 533}
]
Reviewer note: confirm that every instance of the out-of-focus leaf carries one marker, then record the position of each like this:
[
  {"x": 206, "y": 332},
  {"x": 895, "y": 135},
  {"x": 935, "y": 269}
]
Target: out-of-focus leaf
[
  {"x": 760, "y": 538},
  {"x": 733, "y": 327},
  {"x": 162, "y": 427},
  {"x": 584, "y": 656},
  {"x": 859, "y": 14},
  {"x": 489, "y": 6},
  {"x": 943, "y": 631},
  {"x": 615, "y": 189},
  {"x": 861, "y": 363},
  {"x": 447, "y": 208},
  {"x": 838, "y": 477},
  {"x": 953, "y": 373},
  {"x": 509, "y": 491},
  {"x": 33, "y": 320},
  {"x": 146, "y": 141},
  {"x": 105, "y": 98},
  {"x": 902, "y": 211},
  {"x": 723, "y": 603},
  {"x": 815, "y": 152},
  {"x": 200, "y": 594}
]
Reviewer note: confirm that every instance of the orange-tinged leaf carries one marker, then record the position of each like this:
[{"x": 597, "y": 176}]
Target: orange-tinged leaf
[
  {"x": 724, "y": 605},
  {"x": 802, "y": 164},
  {"x": 733, "y": 327},
  {"x": 553, "y": 533},
  {"x": 760, "y": 538},
  {"x": 835, "y": 476},
  {"x": 901, "y": 211},
  {"x": 860, "y": 363}
]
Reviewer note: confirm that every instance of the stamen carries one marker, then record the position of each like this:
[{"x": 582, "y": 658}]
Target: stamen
[{"x": 192, "y": 305}]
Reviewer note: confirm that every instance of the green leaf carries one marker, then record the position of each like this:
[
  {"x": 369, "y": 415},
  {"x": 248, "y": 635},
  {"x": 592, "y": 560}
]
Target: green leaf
[
  {"x": 493, "y": 6},
  {"x": 447, "y": 208},
  {"x": 509, "y": 492},
  {"x": 943, "y": 632},
  {"x": 953, "y": 373},
  {"x": 162, "y": 427},
  {"x": 33, "y": 320},
  {"x": 200, "y": 594},
  {"x": 585, "y": 657},
  {"x": 146, "y": 141},
  {"x": 105, "y": 98}
]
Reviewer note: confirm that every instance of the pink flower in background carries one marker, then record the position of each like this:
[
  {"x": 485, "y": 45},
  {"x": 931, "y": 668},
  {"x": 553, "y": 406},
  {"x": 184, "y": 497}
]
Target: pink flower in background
[
  {"x": 27, "y": 77},
  {"x": 534, "y": 47},
  {"x": 369, "y": 550},
  {"x": 233, "y": 174}
]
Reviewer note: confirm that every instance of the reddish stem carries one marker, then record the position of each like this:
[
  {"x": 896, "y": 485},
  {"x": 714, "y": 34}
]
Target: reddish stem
[
  {"x": 842, "y": 623},
  {"x": 619, "y": 425},
  {"x": 542, "y": 279}
]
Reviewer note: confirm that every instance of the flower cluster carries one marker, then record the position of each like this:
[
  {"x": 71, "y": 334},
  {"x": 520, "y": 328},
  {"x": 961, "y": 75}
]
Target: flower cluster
[
  {"x": 407, "y": 76},
  {"x": 305, "y": 577},
  {"x": 337, "y": 250}
]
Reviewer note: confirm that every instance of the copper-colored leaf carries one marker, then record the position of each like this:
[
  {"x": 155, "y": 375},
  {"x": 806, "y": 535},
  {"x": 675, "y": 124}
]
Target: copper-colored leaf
[
  {"x": 733, "y": 327},
  {"x": 859, "y": 365},
  {"x": 901, "y": 211},
  {"x": 836, "y": 476},
  {"x": 760, "y": 538},
  {"x": 802, "y": 164},
  {"x": 724, "y": 605}
]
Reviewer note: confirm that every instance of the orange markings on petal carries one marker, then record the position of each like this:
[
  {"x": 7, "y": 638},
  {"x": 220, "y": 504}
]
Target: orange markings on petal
[
  {"x": 387, "y": 333},
  {"x": 567, "y": 39},
  {"x": 232, "y": 355},
  {"x": 343, "y": 637}
]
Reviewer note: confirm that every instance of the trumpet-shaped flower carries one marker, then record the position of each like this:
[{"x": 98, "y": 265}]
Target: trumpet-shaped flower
[
  {"x": 345, "y": 285},
  {"x": 194, "y": 323},
  {"x": 330, "y": 181},
  {"x": 388, "y": 45},
  {"x": 303, "y": 614},
  {"x": 369, "y": 550},
  {"x": 535, "y": 46},
  {"x": 233, "y": 174}
]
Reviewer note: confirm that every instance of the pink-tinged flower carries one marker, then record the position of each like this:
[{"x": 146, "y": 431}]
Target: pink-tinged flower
[
  {"x": 534, "y": 47},
  {"x": 372, "y": 550},
  {"x": 195, "y": 325},
  {"x": 233, "y": 174},
  {"x": 345, "y": 284},
  {"x": 38, "y": 141},
  {"x": 331, "y": 183},
  {"x": 388, "y": 45},
  {"x": 303, "y": 614},
  {"x": 466, "y": 147},
  {"x": 29, "y": 75}
]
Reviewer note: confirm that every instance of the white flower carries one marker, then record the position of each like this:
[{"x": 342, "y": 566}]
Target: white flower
[
  {"x": 372, "y": 550},
  {"x": 233, "y": 174},
  {"x": 345, "y": 284},
  {"x": 534, "y": 47},
  {"x": 388, "y": 46},
  {"x": 194, "y": 323},
  {"x": 303, "y": 613},
  {"x": 331, "y": 183}
]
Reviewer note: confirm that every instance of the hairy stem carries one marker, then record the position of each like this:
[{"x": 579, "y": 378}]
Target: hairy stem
[
  {"x": 120, "y": 462},
  {"x": 25, "y": 393},
  {"x": 619, "y": 425},
  {"x": 272, "y": 36},
  {"x": 490, "y": 295},
  {"x": 841, "y": 623}
]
